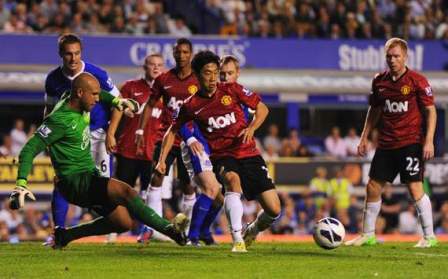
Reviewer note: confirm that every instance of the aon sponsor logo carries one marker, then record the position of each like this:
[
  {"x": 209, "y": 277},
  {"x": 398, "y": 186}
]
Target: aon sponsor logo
[
  {"x": 395, "y": 106},
  {"x": 175, "y": 104},
  {"x": 221, "y": 121}
]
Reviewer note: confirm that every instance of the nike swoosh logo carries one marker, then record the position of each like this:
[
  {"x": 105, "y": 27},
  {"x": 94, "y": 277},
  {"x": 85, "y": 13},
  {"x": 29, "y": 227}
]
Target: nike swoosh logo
[
  {"x": 198, "y": 111},
  {"x": 381, "y": 89},
  {"x": 167, "y": 87},
  {"x": 138, "y": 93},
  {"x": 74, "y": 126}
]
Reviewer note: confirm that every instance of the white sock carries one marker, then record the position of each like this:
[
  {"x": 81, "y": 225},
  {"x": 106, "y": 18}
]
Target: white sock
[
  {"x": 154, "y": 199},
  {"x": 187, "y": 204},
  {"x": 233, "y": 207},
  {"x": 262, "y": 222},
  {"x": 424, "y": 210},
  {"x": 370, "y": 214}
]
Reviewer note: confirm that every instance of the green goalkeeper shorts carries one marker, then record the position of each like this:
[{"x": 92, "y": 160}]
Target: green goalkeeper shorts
[{"x": 88, "y": 190}]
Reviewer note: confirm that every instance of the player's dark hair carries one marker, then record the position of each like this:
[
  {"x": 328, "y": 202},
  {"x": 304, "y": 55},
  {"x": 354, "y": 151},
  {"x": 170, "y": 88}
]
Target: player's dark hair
[
  {"x": 184, "y": 41},
  {"x": 67, "y": 39},
  {"x": 202, "y": 58}
]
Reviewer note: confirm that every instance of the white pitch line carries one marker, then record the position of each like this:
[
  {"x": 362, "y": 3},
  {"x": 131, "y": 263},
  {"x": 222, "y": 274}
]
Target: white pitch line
[{"x": 430, "y": 255}]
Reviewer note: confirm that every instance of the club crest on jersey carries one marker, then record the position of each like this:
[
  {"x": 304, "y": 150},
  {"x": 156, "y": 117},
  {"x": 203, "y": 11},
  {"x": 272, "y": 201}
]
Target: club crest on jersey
[
  {"x": 192, "y": 89},
  {"x": 405, "y": 90},
  {"x": 226, "y": 100}
]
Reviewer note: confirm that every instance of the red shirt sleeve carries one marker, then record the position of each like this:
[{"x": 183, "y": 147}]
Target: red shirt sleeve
[
  {"x": 126, "y": 90},
  {"x": 374, "y": 100},
  {"x": 424, "y": 92},
  {"x": 246, "y": 96}
]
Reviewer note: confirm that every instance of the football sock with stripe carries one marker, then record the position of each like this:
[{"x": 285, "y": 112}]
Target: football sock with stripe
[
  {"x": 371, "y": 212},
  {"x": 234, "y": 211},
  {"x": 424, "y": 210}
]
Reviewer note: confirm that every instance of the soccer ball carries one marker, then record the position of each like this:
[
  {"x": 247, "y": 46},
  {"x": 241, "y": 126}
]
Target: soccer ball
[{"x": 329, "y": 233}]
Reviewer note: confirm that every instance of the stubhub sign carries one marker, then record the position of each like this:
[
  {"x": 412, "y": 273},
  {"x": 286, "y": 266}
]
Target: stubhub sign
[
  {"x": 354, "y": 58},
  {"x": 312, "y": 54}
]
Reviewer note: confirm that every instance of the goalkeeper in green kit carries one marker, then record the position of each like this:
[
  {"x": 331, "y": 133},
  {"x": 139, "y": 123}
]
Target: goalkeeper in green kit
[{"x": 65, "y": 131}]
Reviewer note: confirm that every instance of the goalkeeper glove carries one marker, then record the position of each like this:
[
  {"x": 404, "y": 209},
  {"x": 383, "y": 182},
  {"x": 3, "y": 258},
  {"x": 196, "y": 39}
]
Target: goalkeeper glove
[
  {"x": 123, "y": 104},
  {"x": 18, "y": 195}
]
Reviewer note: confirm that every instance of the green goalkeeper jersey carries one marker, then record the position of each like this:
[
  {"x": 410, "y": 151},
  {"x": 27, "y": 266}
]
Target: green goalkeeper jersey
[{"x": 66, "y": 133}]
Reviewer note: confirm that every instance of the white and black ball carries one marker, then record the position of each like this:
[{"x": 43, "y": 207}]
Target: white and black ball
[{"x": 329, "y": 233}]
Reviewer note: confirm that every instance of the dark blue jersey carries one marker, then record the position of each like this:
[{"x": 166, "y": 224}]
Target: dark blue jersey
[{"x": 57, "y": 83}]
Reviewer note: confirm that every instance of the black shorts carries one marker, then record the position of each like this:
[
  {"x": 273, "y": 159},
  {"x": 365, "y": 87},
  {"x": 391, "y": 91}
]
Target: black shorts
[
  {"x": 406, "y": 161},
  {"x": 127, "y": 170},
  {"x": 88, "y": 190},
  {"x": 175, "y": 153},
  {"x": 252, "y": 171}
]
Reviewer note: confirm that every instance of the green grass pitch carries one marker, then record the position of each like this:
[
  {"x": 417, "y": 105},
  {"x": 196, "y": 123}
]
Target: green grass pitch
[{"x": 264, "y": 260}]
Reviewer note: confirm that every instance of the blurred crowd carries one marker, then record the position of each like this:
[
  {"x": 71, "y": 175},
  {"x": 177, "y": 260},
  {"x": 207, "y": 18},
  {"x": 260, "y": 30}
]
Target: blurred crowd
[{"x": 335, "y": 19}]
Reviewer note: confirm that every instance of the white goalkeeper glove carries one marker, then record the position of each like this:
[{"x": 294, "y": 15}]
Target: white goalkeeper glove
[{"x": 18, "y": 195}]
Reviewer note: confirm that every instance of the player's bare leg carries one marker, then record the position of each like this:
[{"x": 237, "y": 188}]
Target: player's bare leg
[
  {"x": 424, "y": 210},
  {"x": 270, "y": 202},
  {"x": 370, "y": 214},
  {"x": 233, "y": 207}
]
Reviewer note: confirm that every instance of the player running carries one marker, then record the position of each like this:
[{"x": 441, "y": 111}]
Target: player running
[
  {"x": 133, "y": 163},
  {"x": 218, "y": 113},
  {"x": 173, "y": 87},
  {"x": 194, "y": 151},
  {"x": 196, "y": 158},
  {"x": 58, "y": 81},
  {"x": 401, "y": 105},
  {"x": 65, "y": 132}
]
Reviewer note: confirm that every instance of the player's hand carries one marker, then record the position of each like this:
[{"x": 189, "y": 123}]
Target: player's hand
[
  {"x": 18, "y": 195},
  {"x": 428, "y": 151},
  {"x": 247, "y": 134},
  {"x": 111, "y": 144},
  {"x": 197, "y": 148},
  {"x": 362, "y": 147},
  {"x": 161, "y": 167}
]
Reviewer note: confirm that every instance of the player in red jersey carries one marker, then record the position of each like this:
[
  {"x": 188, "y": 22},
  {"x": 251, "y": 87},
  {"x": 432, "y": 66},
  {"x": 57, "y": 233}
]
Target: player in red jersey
[
  {"x": 217, "y": 110},
  {"x": 173, "y": 87},
  {"x": 133, "y": 163},
  {"x": 402, "y": 106}
]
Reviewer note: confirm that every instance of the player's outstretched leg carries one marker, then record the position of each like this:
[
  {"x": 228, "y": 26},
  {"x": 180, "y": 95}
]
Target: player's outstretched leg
[
  {"x": 270, "y": 203},
  {"x": 424, "y": 210},
  {"x": 370, "y": 214},
  {"x": 122, "y": 194},
  {"x": 59, "y": 209}
]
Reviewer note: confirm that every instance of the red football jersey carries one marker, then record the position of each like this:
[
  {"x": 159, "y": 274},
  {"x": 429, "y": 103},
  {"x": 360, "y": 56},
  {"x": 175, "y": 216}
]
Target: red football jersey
[
  {"x": 139, "y": 90},
  {"x": 221, "y": 119},
  {"x": 173, "y": 92},
  {"x": 403, "y": 103}
]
